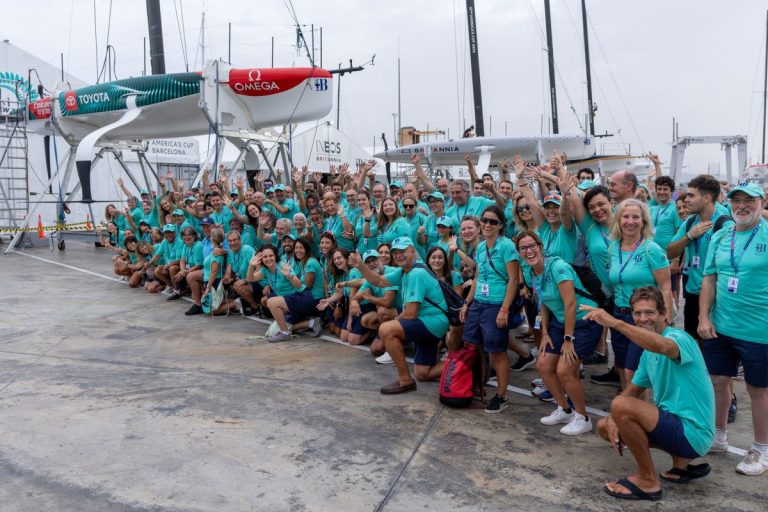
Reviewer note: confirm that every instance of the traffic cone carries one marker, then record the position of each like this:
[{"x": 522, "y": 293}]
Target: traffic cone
[
  {"x": 88, "y": 221},
  {"x": 40, "y": 232}
]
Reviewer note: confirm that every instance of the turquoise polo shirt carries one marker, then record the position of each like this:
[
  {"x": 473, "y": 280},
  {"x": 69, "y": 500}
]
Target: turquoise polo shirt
[
  {"x": 696, "y": 250},
  {"x": 420, "y": 286},
  {"x": 240, "y": 260},
  {"x": 547, "y": 291},
  {"x": 491, "y": 285},
  {"x": 561, "y": 242},
  {"x": 474, "y": 206},
  {"x": 633, "y": 269},
  {"x": 665, "y": 222},
  {"x": 596, "y": 238}
]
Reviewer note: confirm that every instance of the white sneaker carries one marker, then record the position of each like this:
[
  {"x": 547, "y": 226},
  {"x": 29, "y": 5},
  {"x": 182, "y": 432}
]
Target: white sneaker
[
  {"x": 384, "y": 359},
  {"x": 577, "y": 426},
  {"x": 558, "y": 416},
  {"x": 755, "y": 463},
  {"x": 718, "y": 447}
]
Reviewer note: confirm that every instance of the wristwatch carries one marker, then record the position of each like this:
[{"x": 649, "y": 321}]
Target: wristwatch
[{"x": 570, "y": 338}]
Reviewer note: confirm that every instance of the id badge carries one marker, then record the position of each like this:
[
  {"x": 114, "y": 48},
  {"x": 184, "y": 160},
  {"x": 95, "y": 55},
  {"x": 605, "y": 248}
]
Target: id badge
[
  {"x": 695, "y": 262},
  {"x": 485, "y": 290},
  {"x": 733, "y": 284},
  {"x": 653, "y": 230},
  {"x": 537, "y": 323}
]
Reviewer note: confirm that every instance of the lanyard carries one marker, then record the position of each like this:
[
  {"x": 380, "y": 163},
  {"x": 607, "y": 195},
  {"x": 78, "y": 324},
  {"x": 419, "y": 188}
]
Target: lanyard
[
  {"x": 331, "y": 227},
  {"x": 488, "y": 256},
  {"x": 602, "y": 234},
  {"x": 551, "y": 238},
  {"x": 272, "y": 282},
  {"x": 624, "y": 266},
  {"x": 659, "y": 214},
  {"x": 734, "y": 263},
  {"x": 458, "y": 215},
  {"x": 541, "y": 286}
]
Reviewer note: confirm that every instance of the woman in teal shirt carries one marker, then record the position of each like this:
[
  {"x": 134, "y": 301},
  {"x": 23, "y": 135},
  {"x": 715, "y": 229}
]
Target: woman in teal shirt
[
  {"x": 391, "y": 225},
  {"x": 365, "y": 226},
  {"x": 566, "y": 338},
  {"x": 338, "y": 272},
  {"x": 279, "y": 281},
  {"x": 191, "y": 260},
  {"x": 634, "y": 260},
  {"x": 213, "y": 271}
]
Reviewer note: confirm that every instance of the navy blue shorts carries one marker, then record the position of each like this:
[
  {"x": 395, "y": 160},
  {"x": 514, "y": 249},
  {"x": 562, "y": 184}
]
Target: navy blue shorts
[
  {"x": 723, "y": 354},
  {"x": 424, "y": 342},
  {"x": 480, "y": 327},
  {"x": 626, "y": 353},
  {"x": 301, "y": 306},
  {"x": 357, "y": 326},
  {"x": 587, "y": 335},
  {"x": 668, "y": 435}
]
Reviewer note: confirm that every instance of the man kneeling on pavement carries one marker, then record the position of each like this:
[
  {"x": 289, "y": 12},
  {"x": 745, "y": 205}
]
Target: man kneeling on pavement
[{"x": 680, "y": 421}]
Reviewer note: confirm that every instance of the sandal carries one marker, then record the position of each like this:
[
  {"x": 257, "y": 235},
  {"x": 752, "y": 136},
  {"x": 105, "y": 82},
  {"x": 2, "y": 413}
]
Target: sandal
[
  {"x": 635, "y": 493},
  {"x": 685, "y": 475}
]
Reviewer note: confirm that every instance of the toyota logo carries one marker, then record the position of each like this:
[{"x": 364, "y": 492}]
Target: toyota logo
[
  {"x": 258, "y": 75},
  {"x": 70, "y": 100}
]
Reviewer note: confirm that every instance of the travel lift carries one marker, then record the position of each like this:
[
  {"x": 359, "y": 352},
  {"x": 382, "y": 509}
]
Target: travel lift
[
  {"x": 229, "y": 119},
  {"x": 680, "y": 144}
]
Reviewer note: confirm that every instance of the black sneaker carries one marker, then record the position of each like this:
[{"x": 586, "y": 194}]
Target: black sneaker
[
  {"x": 595, "y": 358},
  {"x": 497, "y": 404},
  {"x": 175, "y": 296},
  {"x": 194, "y": 310},
  {"x": 523, "y": 362},
  {"x": 610, "y": 378},
  {"x": 733, "y": 409}
]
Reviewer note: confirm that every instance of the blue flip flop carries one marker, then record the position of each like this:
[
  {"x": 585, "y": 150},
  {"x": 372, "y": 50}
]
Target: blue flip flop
[{"x": 635, "y": 493}]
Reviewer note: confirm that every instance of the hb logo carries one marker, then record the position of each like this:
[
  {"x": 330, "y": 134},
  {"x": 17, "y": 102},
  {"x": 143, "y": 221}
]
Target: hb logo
[
  {"x": 321, "y": 84},
  {"x": 761, "y": 247}
]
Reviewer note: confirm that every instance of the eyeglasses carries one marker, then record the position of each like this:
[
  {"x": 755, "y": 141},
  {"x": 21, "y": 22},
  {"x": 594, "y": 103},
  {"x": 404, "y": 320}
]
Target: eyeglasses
[
  {"x": 526, "y": 248},
  {"x": 409, "y": 206},
  {"x": 488, "y": 220},
  {"x": 521, "y": 209}
]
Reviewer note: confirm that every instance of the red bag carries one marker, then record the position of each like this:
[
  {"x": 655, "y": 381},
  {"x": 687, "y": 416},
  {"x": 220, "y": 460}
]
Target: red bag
[{"x": 462, "y": 372}]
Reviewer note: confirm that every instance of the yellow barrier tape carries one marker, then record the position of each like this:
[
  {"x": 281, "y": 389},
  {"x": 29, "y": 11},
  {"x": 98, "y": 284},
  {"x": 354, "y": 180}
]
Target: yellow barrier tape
[{"x": 56, "y": 227}]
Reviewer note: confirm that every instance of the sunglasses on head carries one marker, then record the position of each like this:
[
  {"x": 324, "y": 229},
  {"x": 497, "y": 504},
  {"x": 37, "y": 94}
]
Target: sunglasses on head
[
  {"x": 523, "y": 208},
  {"x": 488, "y": 220}
]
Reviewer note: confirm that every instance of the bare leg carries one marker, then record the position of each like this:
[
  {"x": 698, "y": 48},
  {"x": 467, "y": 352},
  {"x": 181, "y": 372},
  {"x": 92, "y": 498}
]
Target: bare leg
[
  {"x": 243, "y": 289},
  {"x": 195, "y": 282},
  {"x": 759, "y": 398},
  {"x": 500, "y": 363},
  {"x": 546, "y": 365},
  {"x": 278, "y": 308},
  {"x": 427, "y": 373},
  {"x": 569, "y": 377},
  {"x": 393, "y": 335}
]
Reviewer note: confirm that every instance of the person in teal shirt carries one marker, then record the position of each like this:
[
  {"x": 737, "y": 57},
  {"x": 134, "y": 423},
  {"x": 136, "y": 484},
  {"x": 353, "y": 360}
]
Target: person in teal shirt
[
  {"x": 166, "y": 256},
  {"x": 423, "y": 320},
  {"x": 390, "y": 224},
  {"x": 634, "y": 261},
  {"x": 487, "y": 311},
  {"x": 446, "y": 236},
  {"x": 664, "y": 215},
  {"x": 464, "y": 204},
  {"x": 566, "y": 337},
  {"x": 415, "y": 220},
  {"x": 427, "y": 234},
  {"x": 733, "y": 321},
  {"x": 557, "y": 232},
  {"x": 279, "y": 282},
  {"x": 680, "y": 421},
  {"x": 366, "y": 230},
  {"x": 594, "y": 217},
  {"x": 220, "y": 215},
  {"x": 282, "y": 206},
  {"x": 190, "y": 260},
  {"x": 238, "y": 258},
  {"x": 213, "y": 271}
]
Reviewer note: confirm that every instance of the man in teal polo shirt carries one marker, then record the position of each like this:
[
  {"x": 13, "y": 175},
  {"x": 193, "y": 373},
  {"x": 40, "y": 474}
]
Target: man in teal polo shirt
[
  {"x": 423, "y": 320},
  {"x": 282, "y": 206},
  {"x": 680, "y": 421},
  {"x": 464, "y": 205},
  {"x": 733, "y": 322},
  {"x": 167, "y": 254}
]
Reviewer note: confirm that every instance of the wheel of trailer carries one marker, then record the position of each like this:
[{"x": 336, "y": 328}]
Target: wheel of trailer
[{"x": 62, "y": 245}]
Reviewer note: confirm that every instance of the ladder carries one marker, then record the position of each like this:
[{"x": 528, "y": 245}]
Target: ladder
[{"x": 14, "y": 177}]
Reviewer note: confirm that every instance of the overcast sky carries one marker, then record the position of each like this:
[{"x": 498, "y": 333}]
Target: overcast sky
[{"x": 698, "y": 61}]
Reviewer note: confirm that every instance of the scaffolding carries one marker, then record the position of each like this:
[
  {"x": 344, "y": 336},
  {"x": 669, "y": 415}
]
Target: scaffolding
[{"x": 14, "y": 170}]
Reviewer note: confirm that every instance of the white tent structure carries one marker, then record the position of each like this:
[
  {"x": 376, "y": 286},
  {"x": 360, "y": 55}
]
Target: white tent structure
[{"x": 324, "y": 145}]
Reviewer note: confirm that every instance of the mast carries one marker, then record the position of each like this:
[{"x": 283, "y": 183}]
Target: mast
[
  {"x": 156, "y": 51},
  {"x": 590, "y": 105},
  {"x": 474, "y": 58},
  {"x": 765, "y": 82},
  {"x": 550, "y": 53}
]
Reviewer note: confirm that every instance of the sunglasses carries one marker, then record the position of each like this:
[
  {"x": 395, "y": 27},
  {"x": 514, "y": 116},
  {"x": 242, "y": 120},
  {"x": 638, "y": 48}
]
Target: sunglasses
[
  {"x": 488, "y": 220},
  {"x": 521, "y": 209},
  {"x": 409, "y": 206}
]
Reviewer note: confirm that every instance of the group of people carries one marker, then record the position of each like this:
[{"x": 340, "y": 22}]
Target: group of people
[{"x": 585, "y": 264}]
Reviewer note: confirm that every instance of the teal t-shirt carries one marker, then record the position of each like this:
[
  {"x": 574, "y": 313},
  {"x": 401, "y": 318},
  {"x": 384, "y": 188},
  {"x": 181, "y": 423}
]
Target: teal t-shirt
[
  {"x": 665, "y": 222},
  {"x": 597, "y": 242},
  {"x": 417, "y": 220},
  {"x": 292, "y": 206},
  {"x": 150, "y": 218},
  {"x": 561, "y": 242},
  {"x": 280, "y": 285},
  {"x": 682, "y": 387},
  {"x": 418, "y": 285},
  {"x": 475, "y": 206},
  {"x": 492, "y": 284},
  {"x": 394, "y": 230},
  {"x": 430, "y": 227},
  {"x": 171, "y": 251},
  {"x": 370, "y": 243},
  {"x": 456, "y": 278},
  {"x": 313, "y": 267},
  {"x": 334, "y": 225},
  {"x": 157, "y": 249},
  {"x": 696, "y": 250},
  {"x": 222, "y": 218},
  {"x": 239, "y": 260},
  {"x": 633, "y": 269},
  {"x": 741, "y": 313},
  {"x": 208, "y": 263},
  {"x": 546, "y": 291},
  {"x": 193, "y": 255}
]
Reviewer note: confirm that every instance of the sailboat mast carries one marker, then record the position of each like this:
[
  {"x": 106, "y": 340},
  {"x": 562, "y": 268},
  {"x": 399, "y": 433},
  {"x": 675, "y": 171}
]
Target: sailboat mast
[
  {"x": 765, "y": 83},
  {"x": 551, "y": 55},
  {"x": 590, "y": 105},
  {"x": 474, "y": 58}
]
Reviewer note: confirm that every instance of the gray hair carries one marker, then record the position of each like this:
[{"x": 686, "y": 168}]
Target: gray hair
[
  {"x": 287, "y": 222},
  {"x": 464, "y": 185}
]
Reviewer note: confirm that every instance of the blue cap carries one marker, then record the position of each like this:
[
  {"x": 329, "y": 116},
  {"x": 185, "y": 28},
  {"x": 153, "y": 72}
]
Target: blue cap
[
  {"x": 144, "y": 221},
  {"x": 289, "y": 235},
  {"x": 751, "y": 189},
  {"x": 586, "y": 185},
  {"x": 279, "y": 186},
  {"x": 395, "y": 184},
  {"x": 271, "y": 190},
  {"x": 169, "y": 228},
  {"x": 372, "y": 253},
  {"x": 552, "y": 198},
  {"x": 190, "y": 198},
  {"x": 444, "y": 221},
  {"x": 207, "y": 221},
  {"x": 178, "y": 211},
  {"x": 144, "y": 192},
  {"x": 234, "y": 193},
  {"x": 401, "y": 243},
  {"x": 436, "y": 194}
]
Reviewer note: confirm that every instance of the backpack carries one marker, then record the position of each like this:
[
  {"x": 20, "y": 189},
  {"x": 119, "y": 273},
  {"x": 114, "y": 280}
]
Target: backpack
[
  {"x": 715, "y": 225},
  {"x": 453, "y": 300},
  {"x": 596, "y": 292},
  {"x": 462, "y": 372}
]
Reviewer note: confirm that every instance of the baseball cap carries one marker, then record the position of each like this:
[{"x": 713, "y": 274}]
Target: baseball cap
[
  {"x": 144, "y": 221},
  {"x": 207, "y": 221},
  {"x": 436, "y": 194},
  {"x": 234, "y": 193},
  {"x": 396, "y": 184},
  {"x": 178, "y": 211},
  {"x": 144, "y": 192},
  {"x": 444, "y": 221},
  {"x": 552, "y": 198},
  {"x": 401, "y": 243},
  {"x": 751, "y": 189},
  {"x": 169, "y": 228},
  {"x": 289, "y": 235},
  {"x": 271, "y": 190},
  {"x": 190, "y": 198},
  {"x": 370, "y": 254},
  {"x": 279, "y": 186}
]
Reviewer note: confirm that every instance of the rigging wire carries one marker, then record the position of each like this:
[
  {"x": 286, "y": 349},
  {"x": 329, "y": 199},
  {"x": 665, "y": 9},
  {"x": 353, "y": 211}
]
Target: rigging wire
[
  {"x": 753, "y": 88},
  {"x": 184, "y": 31},
  {"x": 96, "y": 41},
  {"x": 69, "y": 40},
  {"x": 182, "y": 37}
]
